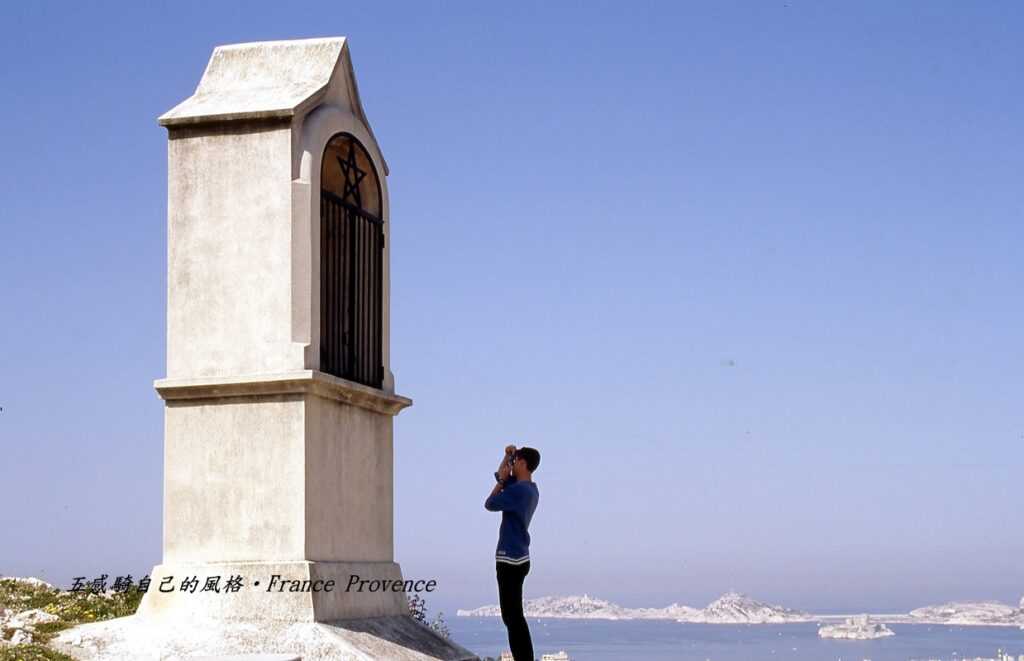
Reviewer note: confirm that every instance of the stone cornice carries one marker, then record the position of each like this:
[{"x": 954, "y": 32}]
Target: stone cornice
[{"x": 298, "y": 382}]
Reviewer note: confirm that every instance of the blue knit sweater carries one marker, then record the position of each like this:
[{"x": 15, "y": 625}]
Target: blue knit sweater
[{"x": 516, "y": 502}]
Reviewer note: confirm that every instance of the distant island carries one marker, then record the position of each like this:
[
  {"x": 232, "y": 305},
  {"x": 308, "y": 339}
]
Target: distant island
[
  {"x": 730, "y": 608},
  {"x": 737, "y": 608},
  {"x": 855, "y": 628}
]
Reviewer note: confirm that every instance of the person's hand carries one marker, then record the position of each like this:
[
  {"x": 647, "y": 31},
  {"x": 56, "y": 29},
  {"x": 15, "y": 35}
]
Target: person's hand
[{"x": 505, "y": 468}]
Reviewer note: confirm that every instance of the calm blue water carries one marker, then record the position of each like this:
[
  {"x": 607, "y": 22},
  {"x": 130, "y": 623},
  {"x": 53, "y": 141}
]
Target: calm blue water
[{"x": 658, "y": 640}]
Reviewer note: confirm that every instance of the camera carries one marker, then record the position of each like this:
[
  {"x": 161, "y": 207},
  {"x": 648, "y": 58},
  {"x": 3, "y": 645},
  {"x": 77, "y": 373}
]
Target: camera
[{"x": 510, "y": 459}]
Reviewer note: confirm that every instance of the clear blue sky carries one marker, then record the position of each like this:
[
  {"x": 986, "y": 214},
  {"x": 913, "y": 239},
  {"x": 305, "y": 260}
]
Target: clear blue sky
[{"x": 748, "y": 274}]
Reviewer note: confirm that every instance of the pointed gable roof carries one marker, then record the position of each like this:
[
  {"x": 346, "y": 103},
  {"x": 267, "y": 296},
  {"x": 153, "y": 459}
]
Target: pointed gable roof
[{"x": 265, "y": 80}]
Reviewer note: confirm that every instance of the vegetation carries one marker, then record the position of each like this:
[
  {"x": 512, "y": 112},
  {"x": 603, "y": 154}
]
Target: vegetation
[
  {"x": 79, "y": 607},
  {"x": 70, "y": 608},
  {"x": 418, "y": 610},
  {"x": 31, "y": 652}
]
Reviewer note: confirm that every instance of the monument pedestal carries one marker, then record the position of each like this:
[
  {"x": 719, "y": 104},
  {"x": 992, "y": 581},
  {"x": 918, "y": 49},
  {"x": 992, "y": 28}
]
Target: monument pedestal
[
  {"x": 297, "y": 465},
  {"x": 274, "y": 591},
  {"x": 272, "y": 483}
]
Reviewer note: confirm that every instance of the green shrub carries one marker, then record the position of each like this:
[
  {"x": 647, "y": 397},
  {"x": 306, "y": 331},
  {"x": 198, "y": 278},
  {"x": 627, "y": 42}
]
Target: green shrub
[
  {"x": 31, "y": 652},
  {"x": 70, "y": 607}
]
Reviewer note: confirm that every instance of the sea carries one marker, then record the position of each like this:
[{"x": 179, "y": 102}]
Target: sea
[{"x": 662, "y": 640}]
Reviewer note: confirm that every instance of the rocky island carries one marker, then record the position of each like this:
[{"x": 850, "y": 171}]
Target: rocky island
[
  {"x": 855, "y": 628},
  {"x": 730, "y": 608},
  {"x": 736, "y": 608}
]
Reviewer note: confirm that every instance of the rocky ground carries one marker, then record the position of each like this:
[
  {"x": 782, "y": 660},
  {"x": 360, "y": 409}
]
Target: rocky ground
[
  {"x": 33, "y": 612},
  {"x": 40, "y": 622}
]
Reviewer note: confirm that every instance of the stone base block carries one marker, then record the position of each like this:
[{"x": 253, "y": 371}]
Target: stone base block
[
  {"x": 394, "y": 638},
  {"x": 292, "y": 591}
]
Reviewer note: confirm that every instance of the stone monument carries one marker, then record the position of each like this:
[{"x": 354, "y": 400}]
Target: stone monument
[{"x": 279, "y": 395}]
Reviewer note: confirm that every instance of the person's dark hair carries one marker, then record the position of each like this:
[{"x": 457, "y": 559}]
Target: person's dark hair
[{"x": 531, "y": 456}]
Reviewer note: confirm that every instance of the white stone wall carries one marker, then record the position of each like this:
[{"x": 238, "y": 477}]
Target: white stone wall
[
  {"x": 229, "y": 254},
  {"x": 350, "y": 483},
  {"x": 234, "y": 472}
]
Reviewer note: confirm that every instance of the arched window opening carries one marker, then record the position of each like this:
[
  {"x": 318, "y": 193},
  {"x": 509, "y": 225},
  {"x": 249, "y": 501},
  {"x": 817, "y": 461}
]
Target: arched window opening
[{"x": 351, "y": 263}]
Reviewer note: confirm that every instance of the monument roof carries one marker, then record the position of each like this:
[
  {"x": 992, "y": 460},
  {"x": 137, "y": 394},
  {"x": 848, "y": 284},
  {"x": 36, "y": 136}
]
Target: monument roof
[{"x": 261, "y": 80}]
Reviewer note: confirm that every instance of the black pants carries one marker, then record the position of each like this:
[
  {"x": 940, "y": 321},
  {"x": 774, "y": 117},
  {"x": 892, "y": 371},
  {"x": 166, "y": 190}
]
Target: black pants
[{"x": 510, "y": 596}]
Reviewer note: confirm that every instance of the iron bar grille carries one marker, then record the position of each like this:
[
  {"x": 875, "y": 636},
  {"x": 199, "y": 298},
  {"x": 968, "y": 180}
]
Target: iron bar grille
[{"x": 351, "y": 262}]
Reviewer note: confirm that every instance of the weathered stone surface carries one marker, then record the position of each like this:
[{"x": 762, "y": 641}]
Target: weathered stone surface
[
  {"x": 29, "y": 618},
  {"x": 249, "y": 657},
  {"x": 20, "y": 637},
  {"x": 256, "y": 603},
  {"x": 259, "y": 80},
  {"x": 132, "y": 638}
]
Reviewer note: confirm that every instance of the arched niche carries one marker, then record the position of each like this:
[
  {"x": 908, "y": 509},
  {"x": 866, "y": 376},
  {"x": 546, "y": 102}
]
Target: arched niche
[{"x": 352, "y": 263}]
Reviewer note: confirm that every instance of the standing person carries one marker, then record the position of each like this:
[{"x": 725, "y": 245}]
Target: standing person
[{"x": 515, "y": 496}]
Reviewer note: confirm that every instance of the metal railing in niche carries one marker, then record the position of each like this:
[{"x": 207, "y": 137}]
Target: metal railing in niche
[{"x": 352, "y": 265}]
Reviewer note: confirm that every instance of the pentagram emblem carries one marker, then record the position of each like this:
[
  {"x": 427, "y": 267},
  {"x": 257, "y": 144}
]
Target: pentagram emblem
[{"x": 353, "y": 177}]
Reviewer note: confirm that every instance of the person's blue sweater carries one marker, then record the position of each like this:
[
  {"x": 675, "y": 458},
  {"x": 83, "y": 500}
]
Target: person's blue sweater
[{"x": 516, "y": 502}]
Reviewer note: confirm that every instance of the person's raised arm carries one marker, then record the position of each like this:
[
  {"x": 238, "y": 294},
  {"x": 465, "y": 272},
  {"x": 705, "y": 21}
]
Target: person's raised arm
[{"x": 494, "y": 502}]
